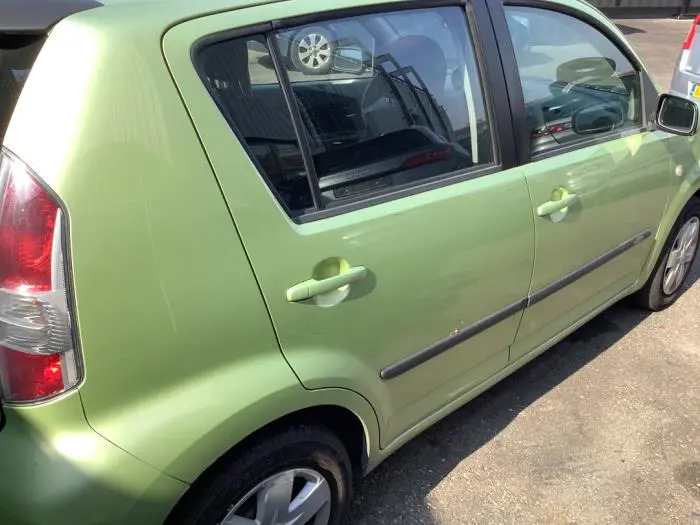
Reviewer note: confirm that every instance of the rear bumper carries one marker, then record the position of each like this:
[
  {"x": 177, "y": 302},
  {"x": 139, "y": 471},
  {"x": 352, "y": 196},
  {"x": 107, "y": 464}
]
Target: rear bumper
[{"x": 55, "y": 470}]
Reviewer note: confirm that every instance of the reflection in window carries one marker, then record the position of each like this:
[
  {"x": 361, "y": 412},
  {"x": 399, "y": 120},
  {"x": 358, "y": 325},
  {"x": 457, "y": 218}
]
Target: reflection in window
[
  {"x": 577, "y": 84},
  {"x": 410, "y": 110},
  {"x": 386, "y": 101}
]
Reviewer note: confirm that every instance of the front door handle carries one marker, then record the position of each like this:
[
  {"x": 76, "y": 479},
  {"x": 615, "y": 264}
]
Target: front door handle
[
  {"x": 553, "y": 206},
  {"x": 313, "y": 287}
]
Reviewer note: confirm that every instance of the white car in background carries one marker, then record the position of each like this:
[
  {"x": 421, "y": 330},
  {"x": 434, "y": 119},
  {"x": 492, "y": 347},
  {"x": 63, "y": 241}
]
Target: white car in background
[{"x": 686, "y": 78}]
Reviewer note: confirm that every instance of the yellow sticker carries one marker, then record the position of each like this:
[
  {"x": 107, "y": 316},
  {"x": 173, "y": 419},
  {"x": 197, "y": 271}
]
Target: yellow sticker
[{"x": 696, "y": 91}]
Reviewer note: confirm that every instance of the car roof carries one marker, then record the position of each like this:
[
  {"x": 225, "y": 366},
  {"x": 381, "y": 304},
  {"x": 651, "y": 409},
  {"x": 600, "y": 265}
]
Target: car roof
[
  {"x": 160, "y": 15},
  {"x": 191, "y": 8},
  {"x": 178, "y": 10},
  {"x": 38, "y": 16}
]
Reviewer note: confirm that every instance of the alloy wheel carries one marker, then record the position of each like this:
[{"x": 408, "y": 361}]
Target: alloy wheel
[
  {"x": 681, "y": 256},
  {"x": 292, "y": 497},
  {"x": 314, "y": 51}
]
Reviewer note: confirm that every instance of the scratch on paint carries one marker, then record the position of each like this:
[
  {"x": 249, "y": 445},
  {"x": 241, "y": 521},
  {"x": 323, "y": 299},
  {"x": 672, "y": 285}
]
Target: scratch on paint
[{"x": 154, "y": 253}]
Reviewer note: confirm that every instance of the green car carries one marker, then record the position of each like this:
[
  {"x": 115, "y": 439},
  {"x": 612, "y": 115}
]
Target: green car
[{"x": 231, "y": 286}]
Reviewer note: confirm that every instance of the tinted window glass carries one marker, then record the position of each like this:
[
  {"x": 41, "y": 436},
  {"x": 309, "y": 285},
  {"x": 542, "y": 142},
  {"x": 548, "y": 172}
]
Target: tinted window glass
[
  {"x": 241, "y": 76},
  {"x": 577, "y": 84},
  {"x": 17, "y": 55},
  {"x": 388, "y": 100}
]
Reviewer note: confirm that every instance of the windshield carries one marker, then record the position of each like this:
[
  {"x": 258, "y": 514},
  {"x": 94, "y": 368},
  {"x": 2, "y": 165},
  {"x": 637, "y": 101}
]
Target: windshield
[{"x": 17, "y": 54}]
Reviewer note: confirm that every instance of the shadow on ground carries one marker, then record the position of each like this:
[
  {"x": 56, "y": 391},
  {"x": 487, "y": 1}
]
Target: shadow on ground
[
  {"x": 266, "y": 61},
  {"x": 397, "y": 491},
  {"x": 629, "y": 30}
]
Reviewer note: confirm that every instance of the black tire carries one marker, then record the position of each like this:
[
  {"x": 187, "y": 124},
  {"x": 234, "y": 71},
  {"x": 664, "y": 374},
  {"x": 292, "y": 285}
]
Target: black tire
[
  {"x": 312, "y": 447},
  {"x": 300, "y": 39},
  {"x": 652, "y": 296}
]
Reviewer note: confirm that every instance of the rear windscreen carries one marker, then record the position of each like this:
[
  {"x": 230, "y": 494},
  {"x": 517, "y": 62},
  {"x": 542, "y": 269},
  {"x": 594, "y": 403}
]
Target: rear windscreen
[{"x": 17, "y": 54}]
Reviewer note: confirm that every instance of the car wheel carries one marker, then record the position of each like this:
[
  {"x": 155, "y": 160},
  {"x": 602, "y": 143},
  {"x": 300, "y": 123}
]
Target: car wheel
[
  {"x": 300, "y": 476},
  {"x": 666, "y": 282},
  {"x": 312, "y": 50}
]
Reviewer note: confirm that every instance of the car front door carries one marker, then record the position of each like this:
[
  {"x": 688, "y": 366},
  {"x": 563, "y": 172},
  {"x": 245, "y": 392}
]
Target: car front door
[
  {"x": 597, "y": 176},
  {"x": 392, "y": 240}
]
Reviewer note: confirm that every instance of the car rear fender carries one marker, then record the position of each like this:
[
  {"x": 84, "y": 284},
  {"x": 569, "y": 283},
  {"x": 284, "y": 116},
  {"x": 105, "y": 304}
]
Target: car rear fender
[{"x": 198, "y": 422}]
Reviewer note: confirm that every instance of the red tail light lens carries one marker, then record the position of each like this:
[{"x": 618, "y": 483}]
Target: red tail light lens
[
  {"x": 691, "y": 34},
  {"x": 37, "y": 358},
  {"x": 27, "y": 224},
  {"x": 31, "y": 376}
]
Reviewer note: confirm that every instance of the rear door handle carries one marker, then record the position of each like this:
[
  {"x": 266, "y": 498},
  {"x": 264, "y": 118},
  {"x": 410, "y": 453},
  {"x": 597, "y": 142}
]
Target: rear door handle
[
  {"x": 312, "y": 287},
  {"x": 550, "y": 207}
]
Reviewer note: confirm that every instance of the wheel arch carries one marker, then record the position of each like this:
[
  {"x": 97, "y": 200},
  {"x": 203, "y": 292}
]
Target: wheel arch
[
  {"x": 356, "y": 434},
  {"x": 673, "y": 210},
  {"x": 343, "y": 422},
  {"x": 343, "y": 412}
]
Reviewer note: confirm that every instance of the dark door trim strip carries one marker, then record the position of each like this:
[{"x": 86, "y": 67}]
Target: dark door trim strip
[
  {"x": 587, "y": 268},
  {"x": 445, "y": 344},
  {"x": 412, "y": 361}
]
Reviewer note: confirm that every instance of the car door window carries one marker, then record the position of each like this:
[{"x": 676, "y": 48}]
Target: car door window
[
  {"x": 401, "y": 103},
  {"x": 412, "y": 110},
  {"x": 577, "y": 84}
]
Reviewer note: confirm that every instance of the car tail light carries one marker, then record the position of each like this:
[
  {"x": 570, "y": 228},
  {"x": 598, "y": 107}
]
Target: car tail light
[
  {"x": 691, "y": 34},
  {"x": 688, "y": 45},
  {"x": 38, "y": 360}
]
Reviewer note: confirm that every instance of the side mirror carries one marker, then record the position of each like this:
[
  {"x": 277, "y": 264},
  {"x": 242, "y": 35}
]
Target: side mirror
[
  {"x": 677, "y": 115},
  {"x": 598, "y": 118},
  {"x": 349, "y": 60}
]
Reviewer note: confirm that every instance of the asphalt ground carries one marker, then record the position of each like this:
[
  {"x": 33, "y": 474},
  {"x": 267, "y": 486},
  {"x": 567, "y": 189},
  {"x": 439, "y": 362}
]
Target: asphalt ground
[{"x": 603, "y": 428}]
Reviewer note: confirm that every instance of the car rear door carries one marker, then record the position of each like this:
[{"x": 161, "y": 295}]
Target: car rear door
[
  {"x": 598, "y": 177},
  {"x": 391, "y": 234}
]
